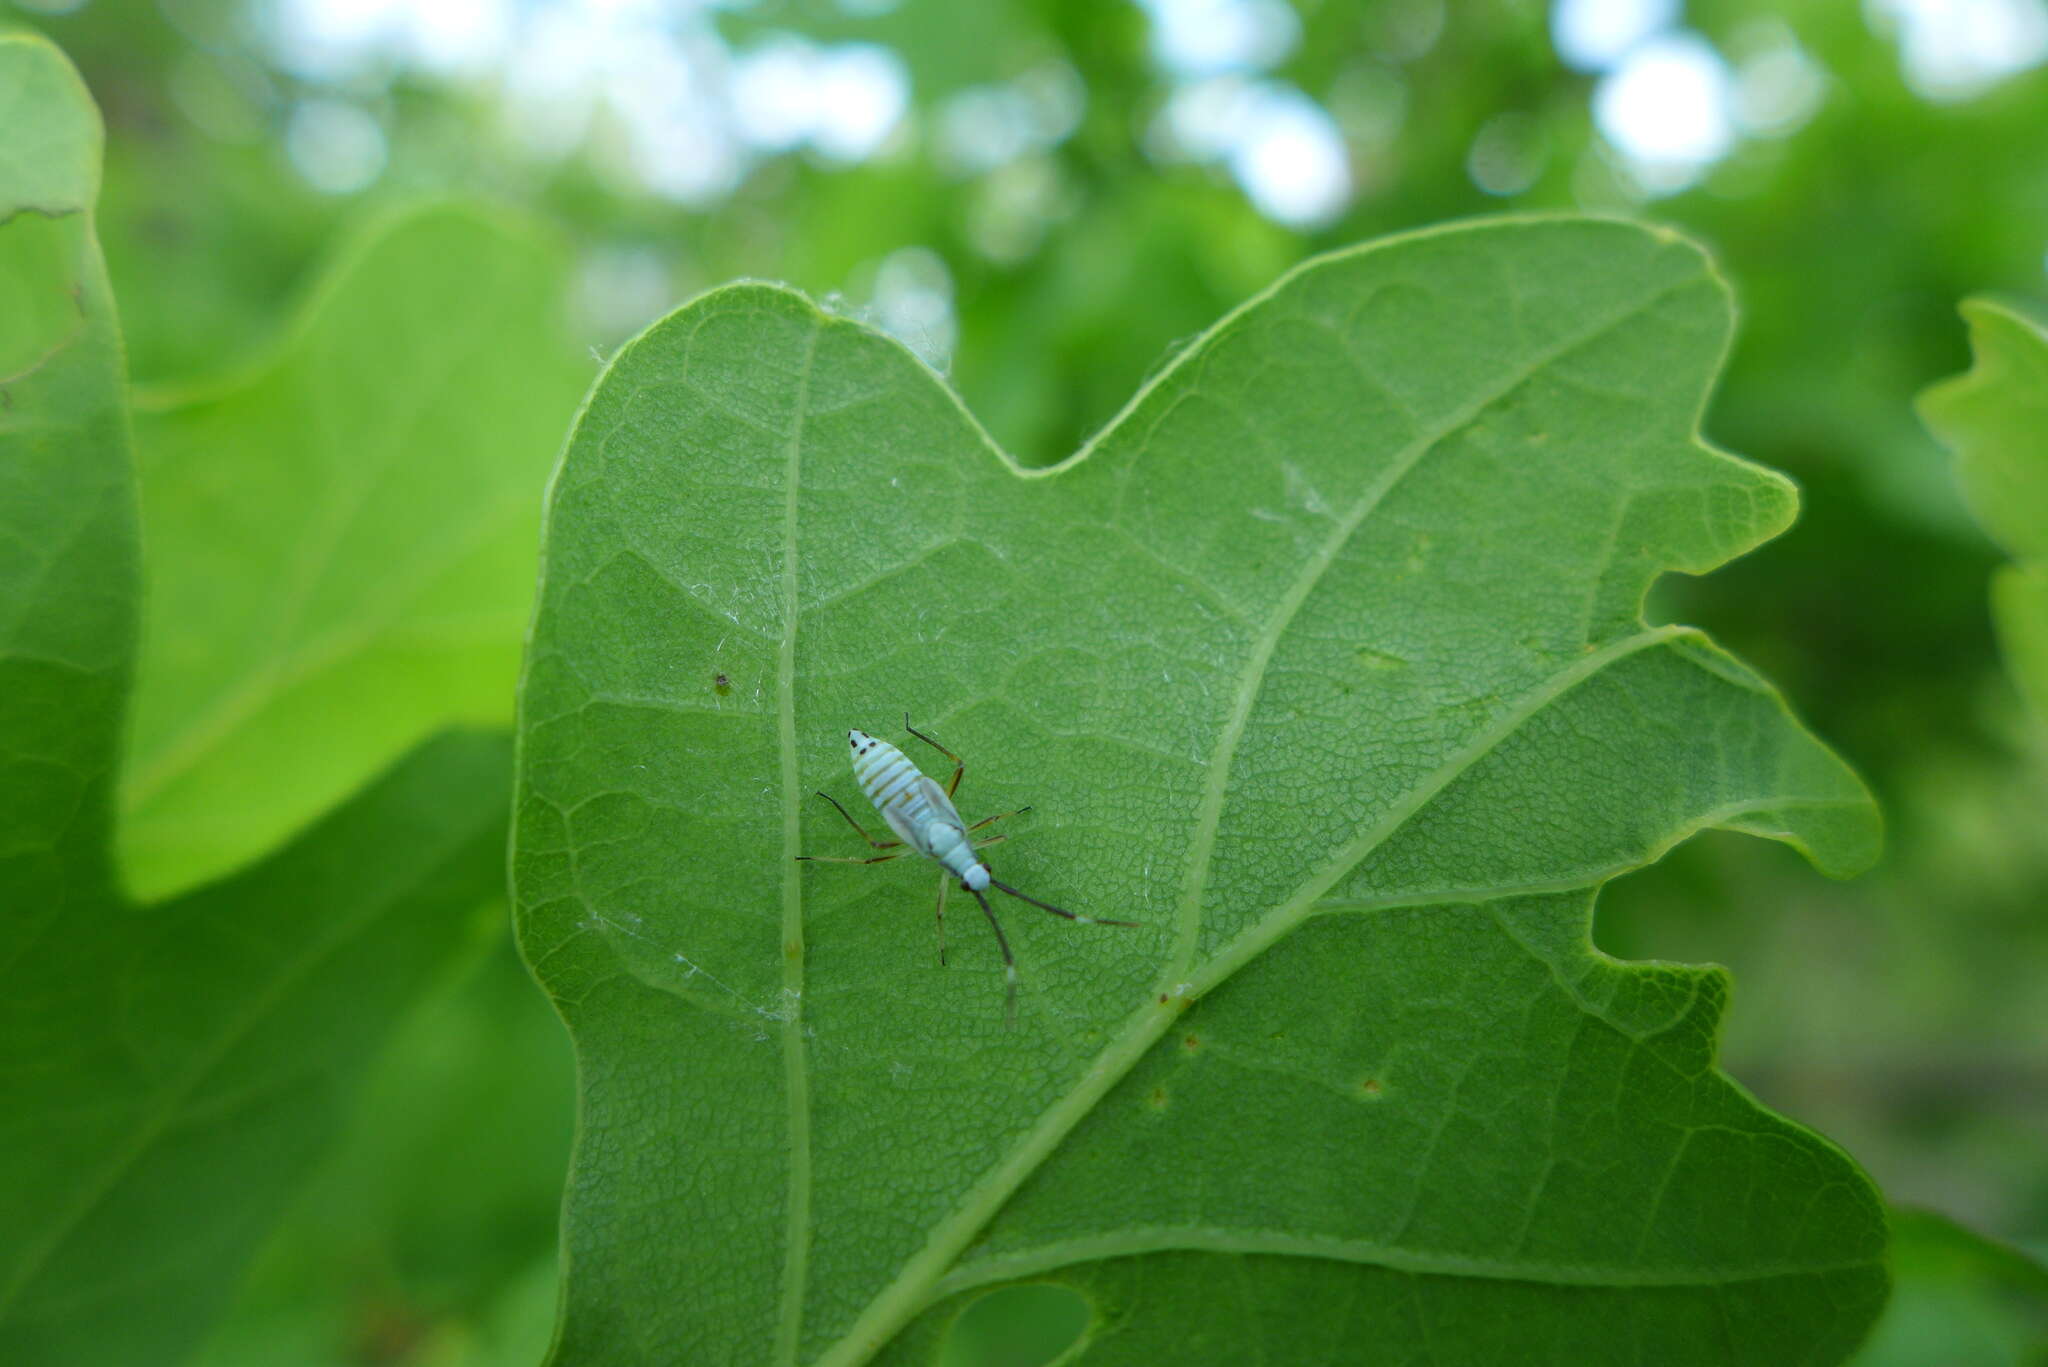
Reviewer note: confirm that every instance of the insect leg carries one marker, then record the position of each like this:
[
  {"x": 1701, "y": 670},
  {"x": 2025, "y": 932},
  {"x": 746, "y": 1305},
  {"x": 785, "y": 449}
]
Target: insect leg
[
  {"x": 988, "y": 840},
  {"x": 991, "y": 820},
  {"x": 1009, "y": 963},
  {"x": 943, "y": 880},
  {"x": 1058, "y": 911},
  {"x": 878, "y": 844},
  {"x": 959, "y": 764},
  {"x": 846, "y": 858}
]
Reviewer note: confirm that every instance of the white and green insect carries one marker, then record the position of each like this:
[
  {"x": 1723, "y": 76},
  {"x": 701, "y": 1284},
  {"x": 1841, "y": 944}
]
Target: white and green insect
[{"x": 922, "y": 815}]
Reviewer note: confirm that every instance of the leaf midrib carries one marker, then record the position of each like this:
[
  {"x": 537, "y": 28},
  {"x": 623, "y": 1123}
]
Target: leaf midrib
[
  {"x": 1179, "y": 986},
  {"x": 796, "y": 1077},
  {"x": 913, "y": 1287}
]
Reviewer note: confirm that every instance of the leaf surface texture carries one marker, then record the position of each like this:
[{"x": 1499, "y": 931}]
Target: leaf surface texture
[{"x": 1326, "y": 662}]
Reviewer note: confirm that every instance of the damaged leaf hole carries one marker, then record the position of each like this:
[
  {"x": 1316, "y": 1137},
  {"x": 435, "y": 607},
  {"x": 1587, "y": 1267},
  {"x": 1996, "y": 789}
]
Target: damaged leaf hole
[{"x": 1025, "y": 1324}]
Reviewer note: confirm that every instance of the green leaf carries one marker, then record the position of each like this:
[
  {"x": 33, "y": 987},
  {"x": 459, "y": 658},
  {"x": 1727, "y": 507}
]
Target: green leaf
[
  {"x": 1959, "y": 1297},
  {"x": 169, "y": 1070},
  {"x": 341, "y": 542},
  {"x": 437, "y": 1211},
  {"x": 945, "y": 46},
  {"x": 1326, "y": 663},
  {"x": 1995, "y": 418}
]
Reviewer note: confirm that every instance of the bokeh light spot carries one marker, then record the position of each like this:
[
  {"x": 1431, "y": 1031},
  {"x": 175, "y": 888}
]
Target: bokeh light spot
[
  {"x": 913, "y": 302},
  {"x": 1195, "y": 38},
  {"x": 1507, "y": 155},
  {"x": 1593, "y": 35},
  {"x": 1778, "y": 87},
  {"x": 1290, "y": 158},
  {"x": 1666, "y": 109},
  {"x": 842, "y": 101},
  {"x": 336, "y": 146},
  {"x": 1954, "y": 49}
]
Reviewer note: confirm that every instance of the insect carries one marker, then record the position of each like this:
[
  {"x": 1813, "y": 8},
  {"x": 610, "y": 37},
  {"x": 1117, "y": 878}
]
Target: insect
[{"x": 922, "y": 815}]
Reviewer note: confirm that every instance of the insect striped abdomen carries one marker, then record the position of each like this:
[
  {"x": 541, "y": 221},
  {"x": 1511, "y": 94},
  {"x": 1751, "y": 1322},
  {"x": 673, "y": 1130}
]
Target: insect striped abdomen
[
  {"x": 885, "y": 773},
  {"x": 899, "y": 790},
  {"x": 923, "y": 816}
]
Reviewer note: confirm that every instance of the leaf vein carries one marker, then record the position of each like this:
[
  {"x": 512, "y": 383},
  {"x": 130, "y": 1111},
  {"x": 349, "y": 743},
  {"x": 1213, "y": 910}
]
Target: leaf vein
[
  {"x": 1210, "y": 812},
  {"x": 796, "y": 1080},
  {"x": 909, "y": 1290},
  {"x": 1137, "y": 1241}
]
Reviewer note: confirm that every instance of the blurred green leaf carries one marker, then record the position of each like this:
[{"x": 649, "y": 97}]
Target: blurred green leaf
[
  {"x": 1325, "y": 662},
  {"x": 1958, "y": 1298},
  {"x": 436, "y": 1213},
  {"x": 945, "y": 46},
  {"x": 1995, "y": 418},
  {"x": 170, "y": 1070},
  {"x": 341, "y": 544}
]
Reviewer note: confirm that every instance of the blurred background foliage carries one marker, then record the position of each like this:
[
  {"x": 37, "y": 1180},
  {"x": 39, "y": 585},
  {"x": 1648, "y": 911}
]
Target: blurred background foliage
[{"x": 1044, "y": 197}]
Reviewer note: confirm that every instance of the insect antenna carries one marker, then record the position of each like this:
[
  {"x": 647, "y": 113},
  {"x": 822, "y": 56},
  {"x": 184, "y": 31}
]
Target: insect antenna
[
  {"x": 1058, "y": 911},
  {"x": 1009, "y": 963}
]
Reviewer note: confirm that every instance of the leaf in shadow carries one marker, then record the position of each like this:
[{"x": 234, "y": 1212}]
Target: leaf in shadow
[{"x": 170, "y": 1071}]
